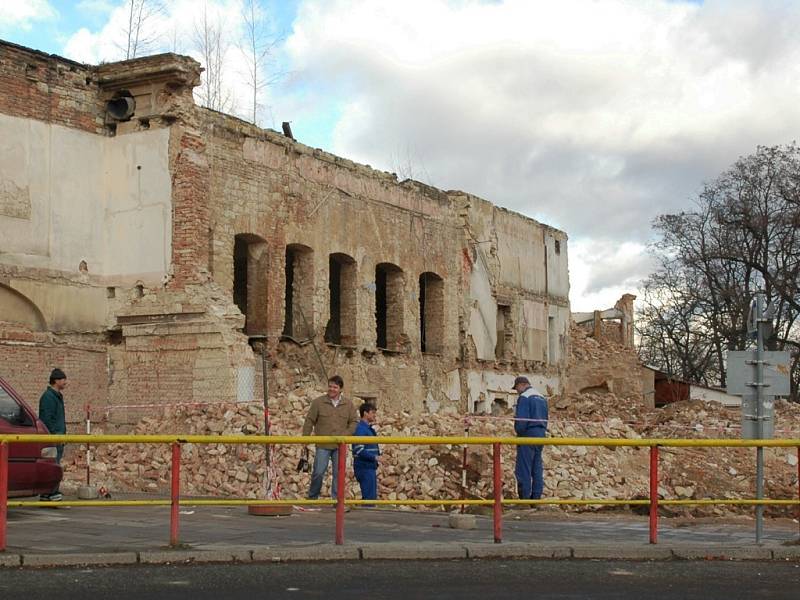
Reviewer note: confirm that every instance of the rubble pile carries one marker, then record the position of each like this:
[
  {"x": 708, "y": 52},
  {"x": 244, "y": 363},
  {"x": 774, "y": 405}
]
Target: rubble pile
[{"x": 434, "y": 471}]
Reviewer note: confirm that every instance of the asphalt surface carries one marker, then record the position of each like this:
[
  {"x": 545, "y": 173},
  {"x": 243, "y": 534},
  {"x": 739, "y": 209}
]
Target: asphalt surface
[{"x": 406, "y": 580}]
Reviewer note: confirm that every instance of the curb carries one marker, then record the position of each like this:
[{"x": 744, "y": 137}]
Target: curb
[
  {"x": 404, "y": 551},
  {"x": 399, "y": 551},
  {"x": 165, "y": 557},
  {"x": 10, "y": 560},
  {"x": 75, "y": 560},
  {"x": 623, "y": 552},
  {"x": 517, "y": 550},
  {"x": 723, "y": 553},
  {"x": 319, "y": 552}
]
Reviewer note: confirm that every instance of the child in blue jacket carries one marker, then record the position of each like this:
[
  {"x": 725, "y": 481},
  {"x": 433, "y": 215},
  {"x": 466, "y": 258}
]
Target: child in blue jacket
[{"x": 365, "y": 456}]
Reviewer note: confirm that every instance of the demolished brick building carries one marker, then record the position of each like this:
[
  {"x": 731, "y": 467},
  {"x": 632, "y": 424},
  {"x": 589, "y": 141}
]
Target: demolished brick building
[{"x": 146, "y": 242}]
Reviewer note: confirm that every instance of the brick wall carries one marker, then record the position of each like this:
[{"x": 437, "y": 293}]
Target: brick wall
[
  {"x": 26, "y": 359},
  {"x": 49, "y": 88}
]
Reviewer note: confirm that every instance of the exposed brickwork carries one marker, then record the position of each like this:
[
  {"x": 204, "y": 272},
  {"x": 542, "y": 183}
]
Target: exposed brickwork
[
  {"x": 26, "y": 359},
  {"x": 190, "y": 214},
  {"x": 49, "y": 88}
]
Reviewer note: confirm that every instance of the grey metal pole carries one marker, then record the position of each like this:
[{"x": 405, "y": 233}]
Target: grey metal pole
[{"x": 759, "y": 412}]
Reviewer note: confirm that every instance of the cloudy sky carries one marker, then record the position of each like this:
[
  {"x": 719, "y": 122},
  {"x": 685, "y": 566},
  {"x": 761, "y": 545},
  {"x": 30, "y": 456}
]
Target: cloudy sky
[{"x": 590, "y": 115}]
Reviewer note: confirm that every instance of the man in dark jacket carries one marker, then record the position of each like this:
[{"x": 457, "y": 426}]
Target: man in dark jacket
[
  {"x": 530, "y": 420},
  {"x": 51, "y": 413},
  {"x": 365, "y": 456}
]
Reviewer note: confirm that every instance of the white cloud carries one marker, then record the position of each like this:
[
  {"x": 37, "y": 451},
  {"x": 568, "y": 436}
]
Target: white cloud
[
  {"x": 21, "y": 13},
  {"x": 601, "y": 270},
  {"x": 591, "y": 115},
  {"x": 97, "y": 6}
]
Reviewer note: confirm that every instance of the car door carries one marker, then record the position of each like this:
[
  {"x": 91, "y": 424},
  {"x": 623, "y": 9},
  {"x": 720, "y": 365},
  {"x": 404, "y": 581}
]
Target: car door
[{"x": 16, "y": 419}]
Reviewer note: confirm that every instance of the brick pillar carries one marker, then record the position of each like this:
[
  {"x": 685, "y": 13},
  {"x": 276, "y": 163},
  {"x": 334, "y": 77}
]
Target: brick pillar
[{"x": 190, "y": 209}]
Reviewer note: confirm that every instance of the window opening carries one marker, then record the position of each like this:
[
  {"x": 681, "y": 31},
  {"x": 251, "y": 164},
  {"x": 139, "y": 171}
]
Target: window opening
[
  {"x": 250, "y": 281},
  {"x": 504, "y": 333},
  {"x": 389, "y": 306},
  {"x": 341, "y": 327},
  {"x": 299, "y": 292},
  {"x": 431, "y": 312}
]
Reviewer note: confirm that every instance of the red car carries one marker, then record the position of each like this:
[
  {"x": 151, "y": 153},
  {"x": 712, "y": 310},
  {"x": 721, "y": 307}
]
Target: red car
[{"x": 32, "y": 467}]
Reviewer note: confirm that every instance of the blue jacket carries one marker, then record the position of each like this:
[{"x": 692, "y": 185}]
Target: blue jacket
[
  {"x": 51, "y": 411},
  {"x": 531, "y": 405},
  {"x": 365, "y": 456}
]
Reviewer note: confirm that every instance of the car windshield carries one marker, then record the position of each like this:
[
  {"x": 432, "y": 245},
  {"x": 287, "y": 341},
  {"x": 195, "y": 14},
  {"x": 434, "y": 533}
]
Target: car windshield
[{"x": 11, "y": 411}]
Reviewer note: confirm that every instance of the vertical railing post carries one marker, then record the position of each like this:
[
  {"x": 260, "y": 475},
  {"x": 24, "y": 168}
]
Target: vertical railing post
[
  {"x": 497, "y": 471},
  {"x": 653, "y": 494},
  {"x": 88, "y": 448},
  {"x": 340, "y": 470},
  {"x": 4, "y": 451},
  {"x": 175, "y": 494}
]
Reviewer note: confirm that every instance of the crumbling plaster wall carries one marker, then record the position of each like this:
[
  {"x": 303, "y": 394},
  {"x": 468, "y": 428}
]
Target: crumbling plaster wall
[
  {"x": 89, "y": 212},
  {"x": 178, "y": 183},
  {"x": 512, "y": 262}
]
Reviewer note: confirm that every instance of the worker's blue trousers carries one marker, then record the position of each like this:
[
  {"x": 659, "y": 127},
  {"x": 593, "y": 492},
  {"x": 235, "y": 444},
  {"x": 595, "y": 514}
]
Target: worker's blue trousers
[
  {"x": 529, "y": 471},
  {"x": 368, "y": 480}
]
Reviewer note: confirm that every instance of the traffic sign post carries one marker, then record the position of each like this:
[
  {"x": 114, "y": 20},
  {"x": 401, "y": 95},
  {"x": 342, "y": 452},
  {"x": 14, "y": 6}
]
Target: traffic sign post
[{"x": 758, "y": 376}]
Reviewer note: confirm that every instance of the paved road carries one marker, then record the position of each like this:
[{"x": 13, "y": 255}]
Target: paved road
[{"x": 407, "y": 580}]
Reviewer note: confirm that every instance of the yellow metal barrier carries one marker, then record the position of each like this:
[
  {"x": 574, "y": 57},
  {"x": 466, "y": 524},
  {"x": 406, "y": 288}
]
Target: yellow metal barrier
[
  {"x": 389, "y": 439},
  {"x": 177, "y": 440}
]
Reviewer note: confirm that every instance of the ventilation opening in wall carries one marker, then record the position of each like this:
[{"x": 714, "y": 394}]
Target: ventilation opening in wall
[
  {"x": 431, "y": 313},
  {"x": 502, "y": 348},
  {"x": 299, "y": 272},
  {"x": 388, "y": 306},
  {"x": 121, "y": 107},
  {"x": 138, "y": 291},
  {"x": 250, "y": 281},
  {"x": 557, "y": 245},
  {"x": 341, "y": 327}
]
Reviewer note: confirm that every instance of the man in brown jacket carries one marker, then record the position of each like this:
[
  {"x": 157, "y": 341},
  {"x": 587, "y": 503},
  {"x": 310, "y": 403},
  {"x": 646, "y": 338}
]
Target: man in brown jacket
[{"x": 330, "y": 414}]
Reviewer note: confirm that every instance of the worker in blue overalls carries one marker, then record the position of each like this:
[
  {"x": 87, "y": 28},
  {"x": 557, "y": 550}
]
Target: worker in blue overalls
[
  {"x": 530, "y": 420},
  {"x": 365, "y": 456}
]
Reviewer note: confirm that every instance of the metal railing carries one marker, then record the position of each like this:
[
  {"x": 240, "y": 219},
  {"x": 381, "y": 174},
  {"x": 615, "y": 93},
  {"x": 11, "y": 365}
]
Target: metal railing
[{"x": 496, "y": 443}]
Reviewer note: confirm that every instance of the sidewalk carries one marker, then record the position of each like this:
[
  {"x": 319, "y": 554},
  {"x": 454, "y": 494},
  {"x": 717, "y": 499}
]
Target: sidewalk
[{"x": 128, "y": 535}]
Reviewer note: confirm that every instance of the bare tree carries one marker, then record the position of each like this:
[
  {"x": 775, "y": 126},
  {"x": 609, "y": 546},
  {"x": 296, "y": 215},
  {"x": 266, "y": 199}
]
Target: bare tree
[
  {"x": 139, "y": 35},
  {"x": 212, "y": 43},
  {"x": 742, "y": 235},
  {"x": 257, "y": 46}
]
